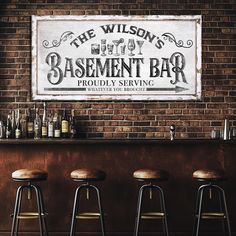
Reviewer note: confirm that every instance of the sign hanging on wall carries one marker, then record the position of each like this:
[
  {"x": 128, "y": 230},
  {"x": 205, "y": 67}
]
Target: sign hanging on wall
[{"x": 116, "y": 57}]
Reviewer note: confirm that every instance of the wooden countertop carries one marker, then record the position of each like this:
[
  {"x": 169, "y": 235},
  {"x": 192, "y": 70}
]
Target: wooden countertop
[{"x": 113, "y": 141}]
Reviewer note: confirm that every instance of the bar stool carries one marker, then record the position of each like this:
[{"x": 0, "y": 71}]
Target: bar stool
[
  {"x": 209, "y": 179},
  {"x": 86, "y": 176},
  {"x": 151, "y": 176},
  {"x": 28, "y": 176}
]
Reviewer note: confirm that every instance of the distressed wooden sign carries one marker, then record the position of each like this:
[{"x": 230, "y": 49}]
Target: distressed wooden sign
[{"x": 116, "y": 57}]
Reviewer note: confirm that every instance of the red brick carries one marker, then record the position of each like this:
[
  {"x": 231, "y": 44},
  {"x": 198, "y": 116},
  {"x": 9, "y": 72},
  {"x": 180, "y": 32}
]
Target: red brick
[{"x": 117, "y": 117}]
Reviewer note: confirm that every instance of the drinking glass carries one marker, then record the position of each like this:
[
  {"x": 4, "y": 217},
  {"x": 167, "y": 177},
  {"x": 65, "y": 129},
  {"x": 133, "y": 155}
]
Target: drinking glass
[
  {"x": 110, "y": 48},
  {"x": 103, "y": 47},
  {"x": 140, "y": 44},
  {"x": 131, "y": 46},
  {"x": 122, "y": 49},
  {"x": 95, "y": 49},
  {"x": 116, "y": 43}
]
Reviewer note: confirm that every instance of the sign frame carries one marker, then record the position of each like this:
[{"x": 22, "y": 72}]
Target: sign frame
[{"x": 177, "y": 92}]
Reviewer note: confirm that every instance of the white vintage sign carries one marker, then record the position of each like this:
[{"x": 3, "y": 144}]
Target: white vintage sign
[{"x": 116, "y": 57}]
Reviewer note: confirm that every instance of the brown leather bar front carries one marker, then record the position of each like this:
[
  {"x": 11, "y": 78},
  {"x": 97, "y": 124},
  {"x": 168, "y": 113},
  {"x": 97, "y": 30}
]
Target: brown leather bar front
[{"x": 119, "y": 159}]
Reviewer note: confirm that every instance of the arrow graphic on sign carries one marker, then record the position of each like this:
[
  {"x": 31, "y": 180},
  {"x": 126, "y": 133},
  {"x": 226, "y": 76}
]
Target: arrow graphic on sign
[
  {"x": 64, "y": 89},
  {"x": 177, "y": 89}
]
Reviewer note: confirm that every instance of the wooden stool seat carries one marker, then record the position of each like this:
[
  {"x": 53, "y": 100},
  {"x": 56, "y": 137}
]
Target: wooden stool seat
[
  {"x": 29, "y": 174},
  {"x": 88, "y": 174},
  {"x": 209, "y": 174},
  {"x": 151, "y": 174}
]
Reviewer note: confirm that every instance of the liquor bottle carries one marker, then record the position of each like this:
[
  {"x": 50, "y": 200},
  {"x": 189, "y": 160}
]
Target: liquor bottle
[
  {"x": 9, "y": 127},
  {"x": 64, "y": 125},
  {"x": 226, "y": 129},
  {"x": 50, "y": 127},
  {"x": 13, "y": 123},
  {"x": 37, "y": 125},
  {"x": 44, "y": 122},
  {"x": 23, "y": 122},
  {"x": 72, "y": 129},
  {"x": 56, "y": 125},
  {"x": 18, "y": 126},
  {"x": 2, "y": 130},
  {"x": 30, "y": 124},
  {"x": 172, "y": 132}
]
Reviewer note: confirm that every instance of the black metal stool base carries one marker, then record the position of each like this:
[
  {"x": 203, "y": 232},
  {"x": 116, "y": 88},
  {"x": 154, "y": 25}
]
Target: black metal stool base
[
  {"x": 40, "y": 214},
  {"x": 88, "y": 215},
  {"x": 151, "y": 215},
  {"x": 200, "y": 215}
]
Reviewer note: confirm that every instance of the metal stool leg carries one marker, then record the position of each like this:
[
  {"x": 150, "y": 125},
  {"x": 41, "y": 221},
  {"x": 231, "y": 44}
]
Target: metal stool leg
[
  {"x": 199, "y": 213},
  {"x": 15, "y": 212},
  {"x": 195, "y": 213},
  {"x": 75, "y": 209},
  {"x": 139, "y": 207},
  {"x": 15, "y": 221},
  {"x": 41, "y": 201},
  {"x": 18, "y": 212},
  {"x": 221, "y": 209},
  {"x": 226, "y": 210},
  {"x": 135, "y": 223},
  {"x": 163, "y": 208},
  {"x": 100, "y": 209},
  {"x": 39, "y": 208}
]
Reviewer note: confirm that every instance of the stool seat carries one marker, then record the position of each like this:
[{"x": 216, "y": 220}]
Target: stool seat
[
  {"x": 88, "y": 174},
  {"x": 29, "y": 174},
  {"x": 151, "y": 174},
  {"x": 209, "y": 174}
]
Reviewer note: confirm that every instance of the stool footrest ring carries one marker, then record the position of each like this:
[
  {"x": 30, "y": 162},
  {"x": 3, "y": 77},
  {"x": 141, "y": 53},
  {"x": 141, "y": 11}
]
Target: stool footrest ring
[
  {"x": 30, "y": 215},
  {"x": 152, "y": 215},
  {"x": 88, "y": 216},
  {"x": 212, "y": 215}
]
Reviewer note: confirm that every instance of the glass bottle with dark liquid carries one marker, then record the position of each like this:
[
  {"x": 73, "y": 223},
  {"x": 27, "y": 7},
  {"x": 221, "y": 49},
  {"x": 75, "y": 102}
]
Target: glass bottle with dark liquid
[
  {"x": 50, "y": 127},
  {"x": 44, "y": 122},
  {"x": 18, "y": 129},
  {"x": 56, "y": 125},
  {"x": 30, "y": 124},
  {"x": 37, "y": 125},
  {"x": 64, "y": 125},
  {"x": 13, "y": 123}
]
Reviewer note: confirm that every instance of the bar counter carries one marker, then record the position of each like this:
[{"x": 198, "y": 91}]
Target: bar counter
[
  {"x": 113, "y": 141},
  {"x": 118, "y": 158}
]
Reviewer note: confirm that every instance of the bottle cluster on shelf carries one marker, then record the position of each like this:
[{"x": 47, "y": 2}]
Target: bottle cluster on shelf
[{"x": 57, "y": 124}]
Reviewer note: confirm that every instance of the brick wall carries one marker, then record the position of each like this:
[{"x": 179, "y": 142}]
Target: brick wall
[{"x": 128, "y": 119}]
